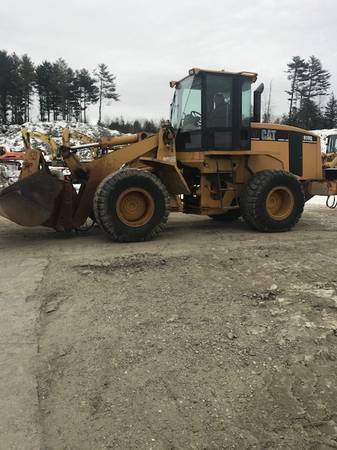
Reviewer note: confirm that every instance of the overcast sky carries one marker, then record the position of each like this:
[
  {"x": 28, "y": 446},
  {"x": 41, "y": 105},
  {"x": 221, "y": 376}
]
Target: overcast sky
[{"x": 149, "y": 42}]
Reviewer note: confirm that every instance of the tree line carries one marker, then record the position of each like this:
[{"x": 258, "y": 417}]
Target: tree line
[
  {"x": 63, "y": 93},
  {"x": 309, "y": 84},
  {"x": 133, "y": 126}
]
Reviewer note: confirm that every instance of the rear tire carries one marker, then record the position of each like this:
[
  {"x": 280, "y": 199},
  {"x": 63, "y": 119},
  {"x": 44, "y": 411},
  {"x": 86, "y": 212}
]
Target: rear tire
[
  {"x": 131, "y": 205},
  {"x": 272, "y": 200}
]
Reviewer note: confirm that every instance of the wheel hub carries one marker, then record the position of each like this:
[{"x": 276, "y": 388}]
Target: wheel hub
[
  {"x": 280, "y": 203},
  {"x": 135, "y": 207}
]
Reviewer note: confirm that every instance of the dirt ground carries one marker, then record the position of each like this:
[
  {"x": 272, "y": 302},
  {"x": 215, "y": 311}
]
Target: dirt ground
[{"x": 211, "y": 337}]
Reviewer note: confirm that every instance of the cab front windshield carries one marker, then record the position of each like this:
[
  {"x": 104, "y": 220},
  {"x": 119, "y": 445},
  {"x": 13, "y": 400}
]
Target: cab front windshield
[{"x": 186, "y": 105}]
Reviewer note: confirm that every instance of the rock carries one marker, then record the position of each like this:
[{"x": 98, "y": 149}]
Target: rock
[
  {"x": 51, "y": 308},
  {"x": 173, "y": 318},
  {"x": 231, "y": 335},
  {"x": 86, "y": 272}
]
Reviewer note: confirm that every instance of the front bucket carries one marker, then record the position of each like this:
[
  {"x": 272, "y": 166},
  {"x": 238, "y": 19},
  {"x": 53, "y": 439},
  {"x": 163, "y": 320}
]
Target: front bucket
[{"x": 32, "y": 200}]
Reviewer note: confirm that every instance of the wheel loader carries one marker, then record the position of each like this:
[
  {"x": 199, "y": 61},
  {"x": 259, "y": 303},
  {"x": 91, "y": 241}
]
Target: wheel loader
[{"x": 213, "y": 158}]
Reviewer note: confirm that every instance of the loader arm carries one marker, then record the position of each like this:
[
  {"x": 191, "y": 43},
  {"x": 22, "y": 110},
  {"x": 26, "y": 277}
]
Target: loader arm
[
  {"x": 161, "y": 157},
  {"x": 97, "y": 170}
]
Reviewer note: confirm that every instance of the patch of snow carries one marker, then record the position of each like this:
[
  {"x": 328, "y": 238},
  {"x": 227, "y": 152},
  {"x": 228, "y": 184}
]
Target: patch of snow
[
  {"x": 10, "y": 136},
  {"x": 317, "y": 200},
  {"x": 9, "y": 173}
]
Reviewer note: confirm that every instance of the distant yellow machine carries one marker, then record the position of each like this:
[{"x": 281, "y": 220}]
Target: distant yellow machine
[
  {"x": 213, "y": 158},
  {"x": 68, "y": 135},
  {"x": 330, "y": 157},
  {"x": 42, "y": 137},
  {"x": 52, "y": 145}
]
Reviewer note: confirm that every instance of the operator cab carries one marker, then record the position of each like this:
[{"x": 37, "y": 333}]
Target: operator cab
[{"x": 212, "y": 110}]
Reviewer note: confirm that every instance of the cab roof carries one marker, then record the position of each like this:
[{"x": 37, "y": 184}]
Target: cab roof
[{"x": 196, "y": 70}]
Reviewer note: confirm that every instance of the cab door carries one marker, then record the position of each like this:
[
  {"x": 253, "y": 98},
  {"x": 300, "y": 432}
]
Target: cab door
[{"x": 226, "y": 112}]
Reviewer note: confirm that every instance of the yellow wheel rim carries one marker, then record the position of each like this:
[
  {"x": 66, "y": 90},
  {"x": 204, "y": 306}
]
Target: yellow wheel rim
[
  {"x": 135, "y": 207},
  {"x": 280, "y": 203}
]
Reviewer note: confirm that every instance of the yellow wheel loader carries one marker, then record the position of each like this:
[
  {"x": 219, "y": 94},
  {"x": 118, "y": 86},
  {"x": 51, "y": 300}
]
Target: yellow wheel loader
[{"x": 213, "y": 158}]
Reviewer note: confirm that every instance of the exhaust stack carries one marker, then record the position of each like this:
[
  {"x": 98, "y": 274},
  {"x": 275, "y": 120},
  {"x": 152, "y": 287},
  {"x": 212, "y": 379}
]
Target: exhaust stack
[{"x": 257, "y": 103}]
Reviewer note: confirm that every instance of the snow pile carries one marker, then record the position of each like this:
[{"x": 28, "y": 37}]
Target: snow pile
[
  {"x": 9, "y": 173},
  {"x": 10, "y": 138}
]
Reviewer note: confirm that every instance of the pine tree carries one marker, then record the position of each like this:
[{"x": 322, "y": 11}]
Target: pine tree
[
  {"x": 28, "y": 78},
  {"x": 62, "y": 90},
  {"x": 106, "y": 85},
  {"x": 16, "y": 94},
  {"x": 297, "y": 76},
  {"x": 150, "y": 126},
  {"x": 87, "y": 90},
  {"x": 44, "y": 82},
  {"x": 137, "y": 126},
  {"x": 308, "y": 81},
  {"x": 330, "y": 113},
  {"x": 309, "y": 115},
  {"x": 6, "y": 72},
  {"x": 125, "y": 126},
  {"x": 318, "y": 79}
]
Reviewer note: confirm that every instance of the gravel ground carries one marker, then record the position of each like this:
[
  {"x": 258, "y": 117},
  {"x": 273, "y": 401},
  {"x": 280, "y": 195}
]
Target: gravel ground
[{"x": 210, "y": 337}]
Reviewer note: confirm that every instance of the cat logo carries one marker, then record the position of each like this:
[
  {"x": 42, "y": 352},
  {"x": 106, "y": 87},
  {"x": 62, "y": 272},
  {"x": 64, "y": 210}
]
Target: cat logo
[{"x": 268, "y": 135}]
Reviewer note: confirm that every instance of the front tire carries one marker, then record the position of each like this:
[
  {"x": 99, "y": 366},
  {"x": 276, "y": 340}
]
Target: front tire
[
  {"x": 272, "y": 200},
  {"x": 131, "y": 205}
]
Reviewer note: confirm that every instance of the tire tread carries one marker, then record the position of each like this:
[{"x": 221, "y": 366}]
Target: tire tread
[
  {"x": 103, "y": 194},
  {"x": 253, "y": 194}
]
